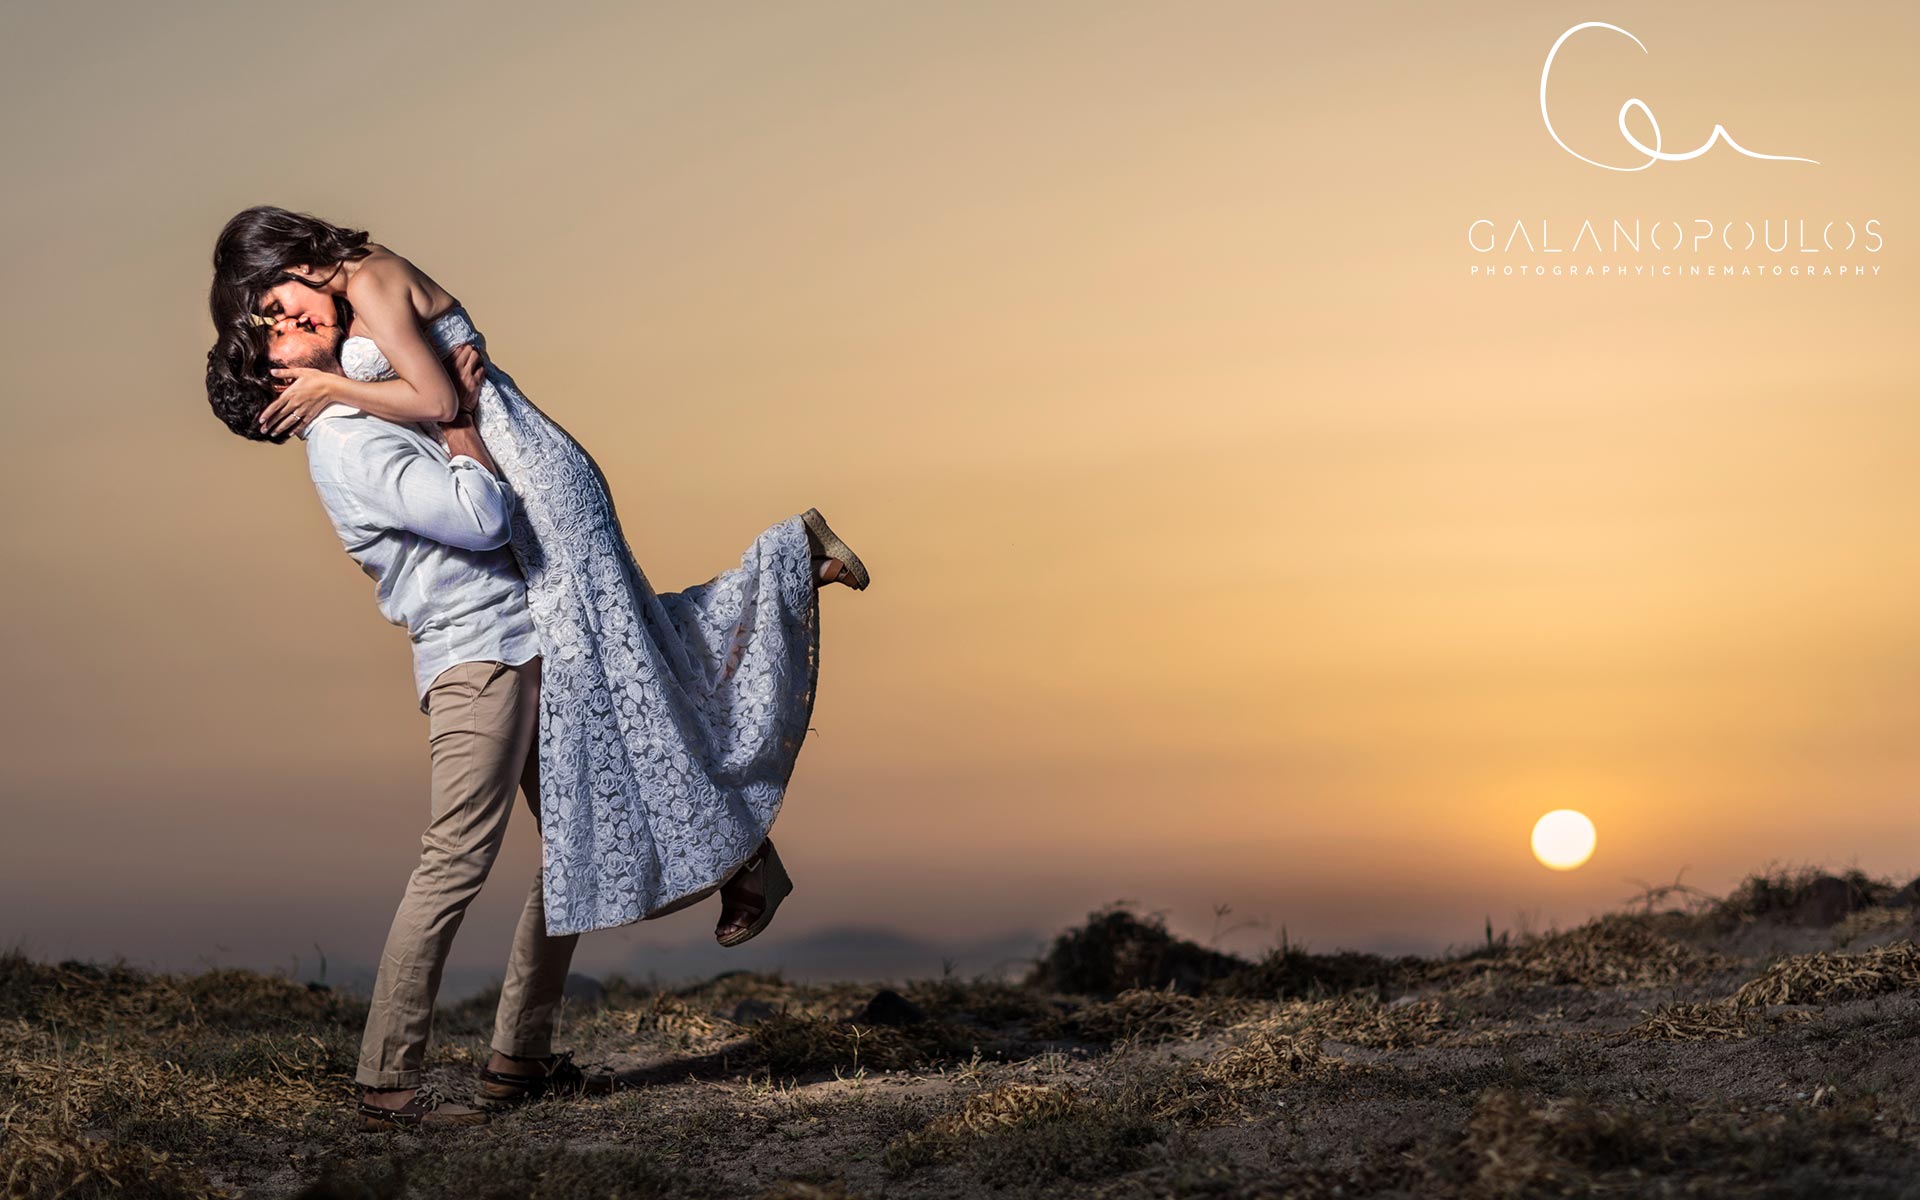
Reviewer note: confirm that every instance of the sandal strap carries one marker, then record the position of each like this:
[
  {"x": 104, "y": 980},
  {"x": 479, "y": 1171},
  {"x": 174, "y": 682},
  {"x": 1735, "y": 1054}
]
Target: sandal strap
[
  {"x": 750, "y": 909},
  {"x": 754, "y": 907}
]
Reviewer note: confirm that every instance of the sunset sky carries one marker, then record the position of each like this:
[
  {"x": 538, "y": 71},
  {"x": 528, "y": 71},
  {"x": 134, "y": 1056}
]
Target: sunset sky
[{"x": 1232, "y": 544}]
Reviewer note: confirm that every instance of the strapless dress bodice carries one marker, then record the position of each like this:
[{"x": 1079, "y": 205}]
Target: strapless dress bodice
[{"x": 361, "y": 358}]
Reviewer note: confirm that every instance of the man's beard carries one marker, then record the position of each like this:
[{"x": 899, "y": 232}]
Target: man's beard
[
  {"x": 320, "y": 359},
  {"x": 323, "y": 358}
]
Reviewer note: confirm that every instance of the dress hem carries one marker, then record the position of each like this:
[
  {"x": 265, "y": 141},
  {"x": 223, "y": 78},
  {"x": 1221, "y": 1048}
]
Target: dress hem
[{"x": 688, "y": 899}]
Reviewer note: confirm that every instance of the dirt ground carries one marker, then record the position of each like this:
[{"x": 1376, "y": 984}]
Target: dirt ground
[{"x": 1762, "y": 1044}]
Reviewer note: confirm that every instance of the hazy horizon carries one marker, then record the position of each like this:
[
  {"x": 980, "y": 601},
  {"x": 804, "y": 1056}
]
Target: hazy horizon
[{"x": 1232, "y": 545}]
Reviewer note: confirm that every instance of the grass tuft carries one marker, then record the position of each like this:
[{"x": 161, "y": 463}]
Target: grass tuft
[
  {"x": 1117, "y": 950},
  {"x": 1824, "y": 977}
]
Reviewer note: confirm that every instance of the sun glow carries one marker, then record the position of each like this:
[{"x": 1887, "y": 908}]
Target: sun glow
[{"x": 1563, "y": 839}]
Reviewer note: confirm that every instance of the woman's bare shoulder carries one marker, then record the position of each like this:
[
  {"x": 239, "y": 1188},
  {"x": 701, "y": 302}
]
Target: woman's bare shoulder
[
  {"x": 384, "y": 270},
  {"x": 383, "y": 267}
]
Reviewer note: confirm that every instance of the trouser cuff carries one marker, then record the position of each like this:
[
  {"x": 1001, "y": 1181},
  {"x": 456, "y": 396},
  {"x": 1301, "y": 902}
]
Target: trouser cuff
[
  {"x": 539, "y": 1048},
  {"x": 387, "y": 1079}
]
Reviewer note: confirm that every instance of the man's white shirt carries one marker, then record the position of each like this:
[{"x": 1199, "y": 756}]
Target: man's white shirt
[{"x": 431, "y": 529}]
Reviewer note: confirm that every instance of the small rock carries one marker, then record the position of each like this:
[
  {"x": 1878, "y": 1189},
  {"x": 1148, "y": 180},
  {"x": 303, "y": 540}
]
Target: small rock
[
  {"x": 752, "y": 1011},
  {"x": 583, "y": 991},
  {"x": 889, "y": 1007}
]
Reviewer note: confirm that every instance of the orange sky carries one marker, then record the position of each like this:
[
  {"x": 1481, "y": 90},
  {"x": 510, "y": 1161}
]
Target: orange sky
[{"x": 1232, "y": 544}]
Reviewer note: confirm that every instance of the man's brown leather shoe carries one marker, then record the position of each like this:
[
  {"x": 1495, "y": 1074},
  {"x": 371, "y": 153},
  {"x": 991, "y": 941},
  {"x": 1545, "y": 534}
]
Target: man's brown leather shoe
[
  {"x": 429, "y": 1106},
  {"x": 561, "y": 1078}
]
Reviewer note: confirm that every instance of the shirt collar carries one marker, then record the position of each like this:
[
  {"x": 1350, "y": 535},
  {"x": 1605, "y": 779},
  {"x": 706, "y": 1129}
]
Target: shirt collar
[{"x": 336, "y": 409}]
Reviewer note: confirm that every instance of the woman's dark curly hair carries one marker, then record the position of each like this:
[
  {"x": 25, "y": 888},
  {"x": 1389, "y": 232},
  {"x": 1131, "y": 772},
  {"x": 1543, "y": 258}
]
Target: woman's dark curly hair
[{"x": 250, "y": 258}]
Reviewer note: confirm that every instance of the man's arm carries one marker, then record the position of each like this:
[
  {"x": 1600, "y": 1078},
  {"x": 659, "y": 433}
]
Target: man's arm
[
  {"x": 398, "y": 484},
  {"x": 463, "y": 440}
]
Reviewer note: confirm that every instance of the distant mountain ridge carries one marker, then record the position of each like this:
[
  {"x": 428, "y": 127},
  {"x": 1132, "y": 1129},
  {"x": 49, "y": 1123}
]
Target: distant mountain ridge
[
  {"x": 851, "y": 953},
  {"x": 840, "y": 953}
]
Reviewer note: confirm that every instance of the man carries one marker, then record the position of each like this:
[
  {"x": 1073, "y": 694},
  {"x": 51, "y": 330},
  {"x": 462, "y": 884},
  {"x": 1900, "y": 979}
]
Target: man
[{"x": 429, "y": 521}]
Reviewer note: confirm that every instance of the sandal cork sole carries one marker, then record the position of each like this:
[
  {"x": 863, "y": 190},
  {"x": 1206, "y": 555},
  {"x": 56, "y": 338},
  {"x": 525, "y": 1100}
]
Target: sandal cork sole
[{"x": 833, "y": 547}]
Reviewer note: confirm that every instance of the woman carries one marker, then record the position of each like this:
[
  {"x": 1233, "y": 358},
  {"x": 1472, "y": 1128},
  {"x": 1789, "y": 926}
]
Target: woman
[{"x": 669, "y": 723}]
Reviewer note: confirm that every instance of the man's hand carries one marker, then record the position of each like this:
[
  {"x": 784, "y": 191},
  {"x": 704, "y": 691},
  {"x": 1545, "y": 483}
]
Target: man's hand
[{"x": 469, "y": 371}]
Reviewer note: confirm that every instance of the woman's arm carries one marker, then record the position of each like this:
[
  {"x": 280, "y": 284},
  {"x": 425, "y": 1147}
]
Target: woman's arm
[
  {"x": 462, "y": 434},
  {"x": 382, "y": 299}
]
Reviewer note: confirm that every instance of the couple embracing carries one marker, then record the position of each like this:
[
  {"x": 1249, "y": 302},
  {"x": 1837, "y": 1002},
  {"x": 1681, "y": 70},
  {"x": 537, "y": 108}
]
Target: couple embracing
[{"x": 653, "y": 734}]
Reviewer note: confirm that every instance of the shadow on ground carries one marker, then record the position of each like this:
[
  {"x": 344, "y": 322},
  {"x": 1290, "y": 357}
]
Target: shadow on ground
[{"x": 1761, "y": 1044}]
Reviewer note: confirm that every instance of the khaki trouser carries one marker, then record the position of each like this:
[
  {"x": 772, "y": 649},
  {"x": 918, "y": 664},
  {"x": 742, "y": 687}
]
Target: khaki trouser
[{"x": 482, "y": 719}]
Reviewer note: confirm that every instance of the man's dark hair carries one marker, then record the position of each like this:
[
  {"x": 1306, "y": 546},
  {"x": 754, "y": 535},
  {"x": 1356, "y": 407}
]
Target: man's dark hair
[
  {"x": 250, "y": 258},
  {"x": 239, "y": 387}
]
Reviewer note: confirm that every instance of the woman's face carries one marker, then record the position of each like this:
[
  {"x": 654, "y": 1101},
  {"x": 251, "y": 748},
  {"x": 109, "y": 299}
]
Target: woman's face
[{"x": 292, "y": 301}]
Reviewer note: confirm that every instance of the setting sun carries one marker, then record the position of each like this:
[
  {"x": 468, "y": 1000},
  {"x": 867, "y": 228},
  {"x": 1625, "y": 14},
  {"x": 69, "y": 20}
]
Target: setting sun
[{"x": 1563, "y": 839}]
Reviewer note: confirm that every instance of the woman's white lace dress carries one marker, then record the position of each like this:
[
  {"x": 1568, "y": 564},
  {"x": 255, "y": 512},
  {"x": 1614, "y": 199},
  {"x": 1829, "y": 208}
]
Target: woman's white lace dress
[{"x": 669, "y": 723}]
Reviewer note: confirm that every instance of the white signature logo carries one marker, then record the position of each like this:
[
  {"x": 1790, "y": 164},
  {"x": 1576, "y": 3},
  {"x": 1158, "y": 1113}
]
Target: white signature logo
[{"x": 1654, "y": 153}]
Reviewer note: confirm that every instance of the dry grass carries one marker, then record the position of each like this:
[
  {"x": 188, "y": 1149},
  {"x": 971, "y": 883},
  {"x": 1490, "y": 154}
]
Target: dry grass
[
  {"x": 1517, "y": 1146},
  {"x": 1176, "y": 1072},
  {"x": 1146, "y": 1015},
  {"x": 1225, "y": 1086},
  {"x": 1366, "y": 1021},
  {"x": 91, "y": 996},
  {"x": 1117, "y": 950},
  {"x": 58, "y": 1166},
  {"x": 1265, "y": 1058},
  {"x": 788, "y": 1044},
  {"x": 1527, "y": 1147},
  {"x": 1292, "y": 972},
  {"x": 1870, "y": 921},
  {"x": 1827, "y": 978},
  {"x": 671, "y": 1019},
  {"x": 1003, "y": 1107},
  {"x": 988, "y": 1001},
  {"x": 86, "y": 1052},
  {"x": 1028, "y": 1136},
  {"x": 793, "y": 1189},
  {"x": 1711, "y": 1020},
  {"x": 1777, "y": 892},
  {"x": 1614, "y": 950}
]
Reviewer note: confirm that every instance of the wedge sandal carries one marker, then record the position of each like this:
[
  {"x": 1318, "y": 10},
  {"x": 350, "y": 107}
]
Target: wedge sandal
[
  {"x": 775, "y": 884},
  {"x": 855, "y": 574}
]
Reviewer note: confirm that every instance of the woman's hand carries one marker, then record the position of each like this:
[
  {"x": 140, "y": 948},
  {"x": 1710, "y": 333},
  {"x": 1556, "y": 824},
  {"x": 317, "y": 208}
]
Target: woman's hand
[
  {"x": 469, "y": 371},
  {"x": 307, "y": 390}
]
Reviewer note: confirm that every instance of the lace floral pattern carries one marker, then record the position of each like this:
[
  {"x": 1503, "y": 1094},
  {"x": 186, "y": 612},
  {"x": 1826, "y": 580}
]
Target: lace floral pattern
[{"x": 669, "y": 722}]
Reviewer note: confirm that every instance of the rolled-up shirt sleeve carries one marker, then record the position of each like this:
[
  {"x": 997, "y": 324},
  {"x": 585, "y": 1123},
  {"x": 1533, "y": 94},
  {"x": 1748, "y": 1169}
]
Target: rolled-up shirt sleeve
[{"x": 398, "y": 485}]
